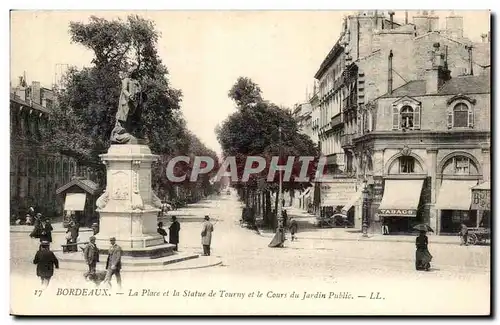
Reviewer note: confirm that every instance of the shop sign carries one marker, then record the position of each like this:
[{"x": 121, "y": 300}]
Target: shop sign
[
  {"x": 398, "y": 212},
  {"x": 481, "y": 200}
]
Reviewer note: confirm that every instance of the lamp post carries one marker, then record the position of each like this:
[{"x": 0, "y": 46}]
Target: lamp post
[
  {"x": 280, "y": 194},
  {"x": 365, "y": 210}
]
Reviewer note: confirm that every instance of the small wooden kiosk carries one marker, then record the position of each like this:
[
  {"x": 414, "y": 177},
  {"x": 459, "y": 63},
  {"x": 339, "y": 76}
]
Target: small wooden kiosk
[
  {"x": 481, "y": 202},
  {"x": 80, "y": 195}
]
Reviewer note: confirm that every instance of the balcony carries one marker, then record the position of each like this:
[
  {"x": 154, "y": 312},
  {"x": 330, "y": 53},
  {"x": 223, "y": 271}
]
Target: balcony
[
  {"x": 336, "y": 120},
  {"x": 346, "y": 140}
]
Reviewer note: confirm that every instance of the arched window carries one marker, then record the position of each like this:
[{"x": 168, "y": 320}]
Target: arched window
[
  {"x": 406, "y": 165},
  {"x": 461, "y": 116},
  {"x": 406, "y": 117}
]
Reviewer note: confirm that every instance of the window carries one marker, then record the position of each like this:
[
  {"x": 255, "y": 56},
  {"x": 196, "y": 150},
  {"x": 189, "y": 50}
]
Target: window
[
  {"x": 407, "y": 117},
  {"x": 461, "y": 116},
  {"x": 406, "y": 165},
  {"x": 462, "y": 165}
]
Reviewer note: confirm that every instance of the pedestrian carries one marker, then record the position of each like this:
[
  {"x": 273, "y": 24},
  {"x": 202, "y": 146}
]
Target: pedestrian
[
  {"x": 464, "y": 233},
  {"x": 293, "y": 228},
  {"x": 422, "y": 255},
  {"x": 206, "y": 236},
  {"x": 162, "y": 232},
  {"x": 114, "y": 263},
  {"x": 95, "y": 228},
  {"x": 43, "y": 230},
  {"x": 385, "y": 227},
  {"x": 283, "y": 202},
  {"x": 27, "y": 220},
  {"x": 91, "y": 254},
  {"x": 173, "y": 231},
  {"x": 45, "y": 261},
  {"x": 284, "y": 214},
  {"x": 73, "y": 230}
]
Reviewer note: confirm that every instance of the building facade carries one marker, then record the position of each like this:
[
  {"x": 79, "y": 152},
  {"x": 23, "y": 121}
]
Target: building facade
[
  {"x": 35, "y": 174},
  {"x": 379, "y": 55},
  {"x": 423, "y": 148}
]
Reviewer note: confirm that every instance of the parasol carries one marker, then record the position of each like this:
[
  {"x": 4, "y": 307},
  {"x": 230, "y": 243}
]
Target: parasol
[{"x": 423, "y": 227}]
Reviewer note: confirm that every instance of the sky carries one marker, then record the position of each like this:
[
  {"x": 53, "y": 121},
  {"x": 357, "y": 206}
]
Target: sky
[{"x": 205, "y": 52}]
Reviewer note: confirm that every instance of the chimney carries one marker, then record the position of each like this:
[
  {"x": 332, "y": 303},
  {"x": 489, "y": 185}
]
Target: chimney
[
  {"x": 471, "y": 64},
  {"x": 35, "y": 92},
  {"x": 455, "y": 25},
  {"x": 391, "y": 15},
  {"x": 389, "y": 81},
  {"x": 421, "y": 22},
  {"x": 436, "y": 74}
]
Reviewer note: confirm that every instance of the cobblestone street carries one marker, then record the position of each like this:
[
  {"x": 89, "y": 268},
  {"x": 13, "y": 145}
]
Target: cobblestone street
[{"x": 304, "y": 265}]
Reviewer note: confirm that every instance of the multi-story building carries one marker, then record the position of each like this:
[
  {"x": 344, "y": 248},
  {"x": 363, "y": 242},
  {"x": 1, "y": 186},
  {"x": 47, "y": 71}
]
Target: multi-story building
[
  {"x": 302, "y": 113},
  {"x": 378, "y": 55},
  {"x": 35, "y": 174},
  {"x": 424, "y": 146}
]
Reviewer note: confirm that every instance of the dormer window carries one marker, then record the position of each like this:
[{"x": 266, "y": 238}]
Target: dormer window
[
  {"x": 461, "y": 112},
  {"x": 460, "y": 116},
  {"x": 406, "y": 114}
]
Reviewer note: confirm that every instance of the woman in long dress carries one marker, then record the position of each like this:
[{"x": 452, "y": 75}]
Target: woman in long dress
[{"x": 422, "y": 256}]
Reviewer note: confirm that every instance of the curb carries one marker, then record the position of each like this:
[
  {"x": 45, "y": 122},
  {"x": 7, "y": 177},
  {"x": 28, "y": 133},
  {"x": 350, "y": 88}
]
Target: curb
[{"x": 370, "y": 239}]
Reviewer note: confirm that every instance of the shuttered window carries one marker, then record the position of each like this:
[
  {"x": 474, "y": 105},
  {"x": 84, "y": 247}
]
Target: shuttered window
[{"x": 395, "y": 118}]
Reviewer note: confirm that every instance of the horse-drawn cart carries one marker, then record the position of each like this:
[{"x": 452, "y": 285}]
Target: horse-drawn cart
[{"x": 478, "y": 235}]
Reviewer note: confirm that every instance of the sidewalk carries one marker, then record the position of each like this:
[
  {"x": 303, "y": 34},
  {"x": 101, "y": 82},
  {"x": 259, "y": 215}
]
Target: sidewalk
[{"x": 349, "y": 234}]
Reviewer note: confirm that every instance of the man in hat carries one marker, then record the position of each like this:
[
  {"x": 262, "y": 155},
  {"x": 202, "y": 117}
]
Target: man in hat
[
  {"x": 206, "y": 235},
  {"x": 114, "y": 263},
  {"x": 95, "y": 228},
  {"x": 45, "y": 261},
  {"x": 173, "y": 231},
  {"x": 91, "y": 254}
]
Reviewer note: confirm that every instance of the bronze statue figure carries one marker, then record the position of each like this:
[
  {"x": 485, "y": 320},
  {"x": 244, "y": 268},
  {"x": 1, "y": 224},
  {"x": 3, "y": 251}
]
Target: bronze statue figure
[{"x": 128, "y": 126}]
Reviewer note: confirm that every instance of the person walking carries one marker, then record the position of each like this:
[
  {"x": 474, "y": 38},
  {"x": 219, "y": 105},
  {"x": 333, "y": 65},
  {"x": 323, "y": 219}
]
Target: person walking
[
  {"x": 173, "y": 232},
  {"x": 162, "y": 232},
  {"x": 206, "y": 236},
  {"x": 45, "y": 261},
  {"x": 385, "y": 227},
  {"x": 293, "y": 228},
  {"x": 464, "y": 233},
  {"x": 422, "y": 256},
  {"x": 114, "y": 263},
  {"x": 43, "y": 231},
  {"x": 91, "y": 254}
]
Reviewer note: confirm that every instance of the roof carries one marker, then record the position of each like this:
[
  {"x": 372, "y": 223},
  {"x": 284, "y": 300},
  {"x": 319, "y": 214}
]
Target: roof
[
  {"x": 467, "y": 85},
  {"x": 33, "y": 105},
  {"x": 479, "y": 84},
  {"x": 332, "y": 55},
  {"x": 85, "y": 184}
]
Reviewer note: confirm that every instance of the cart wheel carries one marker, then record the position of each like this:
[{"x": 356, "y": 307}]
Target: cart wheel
[{"x": 472, "y": 239}]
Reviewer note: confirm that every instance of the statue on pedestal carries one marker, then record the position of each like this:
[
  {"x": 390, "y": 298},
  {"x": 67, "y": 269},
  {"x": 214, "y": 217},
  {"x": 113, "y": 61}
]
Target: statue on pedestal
[{"x": 128, "y": 127}]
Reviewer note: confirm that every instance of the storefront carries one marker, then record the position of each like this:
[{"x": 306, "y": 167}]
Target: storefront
[
  {"x": 340, "y": 200},
  {"x": 481, "y": 202},
  {"x": 454, "y": 202},
  {"x": 400, "y": 207}
]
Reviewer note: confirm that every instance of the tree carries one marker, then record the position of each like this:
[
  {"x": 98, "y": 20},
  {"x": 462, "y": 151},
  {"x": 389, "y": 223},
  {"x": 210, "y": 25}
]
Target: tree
[
  {"x": 84, "y": 114},
  {"x": 253, "y": 131}
]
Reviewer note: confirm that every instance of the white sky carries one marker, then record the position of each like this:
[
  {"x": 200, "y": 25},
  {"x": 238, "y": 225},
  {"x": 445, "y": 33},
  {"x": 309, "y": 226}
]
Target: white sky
[{"x": 206, "y": 51}]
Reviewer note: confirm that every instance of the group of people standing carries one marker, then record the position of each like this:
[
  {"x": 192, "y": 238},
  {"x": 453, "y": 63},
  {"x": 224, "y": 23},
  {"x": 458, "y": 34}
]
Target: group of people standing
[{"x": 173, "y": 232}]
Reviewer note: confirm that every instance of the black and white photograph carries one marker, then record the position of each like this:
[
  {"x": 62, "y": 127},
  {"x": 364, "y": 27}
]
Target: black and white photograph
[{"x": 250, "y": 162}]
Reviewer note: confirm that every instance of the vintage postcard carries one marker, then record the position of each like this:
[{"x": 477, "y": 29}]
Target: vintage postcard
[{"x": 250, "y": 162}]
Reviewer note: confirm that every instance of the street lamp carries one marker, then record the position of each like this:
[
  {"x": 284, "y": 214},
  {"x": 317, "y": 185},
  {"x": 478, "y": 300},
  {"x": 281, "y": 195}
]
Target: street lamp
[
  {"x": 280, "y": 190},
  {"x": 364, "y": 214}
]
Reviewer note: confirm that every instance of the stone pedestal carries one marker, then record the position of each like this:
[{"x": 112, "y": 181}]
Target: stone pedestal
[{"x": 129, "y": 208}]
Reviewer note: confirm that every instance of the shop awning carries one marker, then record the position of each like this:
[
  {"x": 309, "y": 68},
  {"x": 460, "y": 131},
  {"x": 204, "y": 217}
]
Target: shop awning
[
  {"x": 355, "y": 198},
  {"x": 455, "y": 194},
  {"x": 75, "y": 201},
  {"x": 401, "y": 198}
]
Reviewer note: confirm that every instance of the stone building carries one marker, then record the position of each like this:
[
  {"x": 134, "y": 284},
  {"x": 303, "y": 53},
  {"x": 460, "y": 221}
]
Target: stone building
[
  {"x": 375, "y": 54},
  {"x": 302, "y": 113},
  {"x": 424, "y": 145},
  {"x": 35, "y": 174}
]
